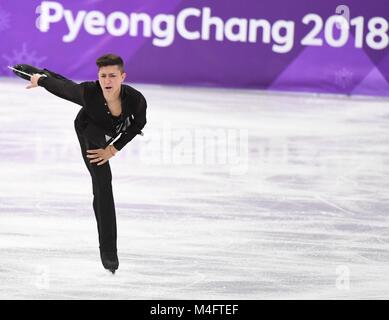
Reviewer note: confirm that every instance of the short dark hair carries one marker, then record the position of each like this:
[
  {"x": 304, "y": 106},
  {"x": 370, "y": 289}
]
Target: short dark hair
[{"x": 110, "y": 60}]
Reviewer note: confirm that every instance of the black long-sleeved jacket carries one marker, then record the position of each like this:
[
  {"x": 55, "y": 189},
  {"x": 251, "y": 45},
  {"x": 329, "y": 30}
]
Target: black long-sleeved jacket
[{"x": 94, "y": 118}]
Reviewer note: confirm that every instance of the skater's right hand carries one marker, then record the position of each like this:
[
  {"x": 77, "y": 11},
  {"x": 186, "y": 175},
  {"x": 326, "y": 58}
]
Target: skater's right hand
[{"x": 34, "y": 81}]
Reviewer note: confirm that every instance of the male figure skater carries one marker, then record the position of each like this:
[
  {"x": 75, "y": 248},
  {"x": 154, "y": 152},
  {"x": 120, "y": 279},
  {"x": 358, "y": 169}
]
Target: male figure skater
[{"x": 109, "y": 110}]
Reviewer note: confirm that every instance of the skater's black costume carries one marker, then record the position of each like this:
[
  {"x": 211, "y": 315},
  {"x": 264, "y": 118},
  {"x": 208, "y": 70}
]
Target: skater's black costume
[{"x": 96, "y": 128}]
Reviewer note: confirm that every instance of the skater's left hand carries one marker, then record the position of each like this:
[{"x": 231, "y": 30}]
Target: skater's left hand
[{"x": 101, "y": 156}]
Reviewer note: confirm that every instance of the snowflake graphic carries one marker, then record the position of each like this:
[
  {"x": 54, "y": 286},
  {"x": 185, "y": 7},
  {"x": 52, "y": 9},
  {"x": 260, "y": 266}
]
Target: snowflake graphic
[
  {"x": 25, "y": 56},
  {"x": 344, "y": 78},
  {"x": 4, "y": 20}
]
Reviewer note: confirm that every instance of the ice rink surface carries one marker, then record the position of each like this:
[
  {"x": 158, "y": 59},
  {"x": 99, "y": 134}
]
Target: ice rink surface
[{"x": 230, "y": 194}]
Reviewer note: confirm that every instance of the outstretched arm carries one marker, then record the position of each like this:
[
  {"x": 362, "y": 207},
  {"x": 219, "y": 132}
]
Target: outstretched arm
[{"x": 65, "y": 89}]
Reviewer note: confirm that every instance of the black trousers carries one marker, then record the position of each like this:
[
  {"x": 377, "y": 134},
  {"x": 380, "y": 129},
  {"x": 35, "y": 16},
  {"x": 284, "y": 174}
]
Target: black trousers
[{"x": 103, "y": 202}]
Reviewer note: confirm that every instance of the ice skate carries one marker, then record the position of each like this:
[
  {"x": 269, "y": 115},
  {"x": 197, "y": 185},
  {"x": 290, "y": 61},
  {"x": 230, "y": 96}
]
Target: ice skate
[
  {"x": 24, "y": 70},
  {"x": 110, "y": 261}
]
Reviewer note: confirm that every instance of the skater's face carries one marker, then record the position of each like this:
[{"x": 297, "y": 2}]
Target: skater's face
[{"x": 111, "y": 78}]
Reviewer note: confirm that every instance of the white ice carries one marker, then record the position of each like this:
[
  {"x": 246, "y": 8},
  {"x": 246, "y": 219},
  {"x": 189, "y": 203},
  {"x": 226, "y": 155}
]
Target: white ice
[{"x": 230, "y": 194}]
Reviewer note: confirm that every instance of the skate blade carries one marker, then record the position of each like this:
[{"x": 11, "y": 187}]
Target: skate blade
[{"x": 111, "y": 272}]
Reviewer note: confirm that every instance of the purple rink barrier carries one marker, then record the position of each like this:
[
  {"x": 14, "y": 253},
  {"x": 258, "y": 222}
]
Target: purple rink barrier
[{"x": 316, "y": 46}]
